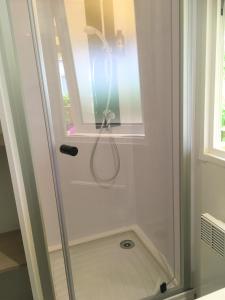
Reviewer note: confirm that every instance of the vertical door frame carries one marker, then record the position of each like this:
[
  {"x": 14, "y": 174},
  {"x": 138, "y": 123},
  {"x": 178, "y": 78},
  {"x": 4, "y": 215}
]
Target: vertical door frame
[
  {"x": 32, "y": 7},
  {"x": 18, "y": 183},
  {"x": 20, "y": 163}
]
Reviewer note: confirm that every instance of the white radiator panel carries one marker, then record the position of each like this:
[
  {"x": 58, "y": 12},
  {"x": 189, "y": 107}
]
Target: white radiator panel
[{"x": 213, "y": 233}]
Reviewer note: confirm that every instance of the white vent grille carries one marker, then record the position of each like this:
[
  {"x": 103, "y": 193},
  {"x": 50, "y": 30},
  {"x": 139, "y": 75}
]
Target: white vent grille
[{"x": 213, "y": 233}]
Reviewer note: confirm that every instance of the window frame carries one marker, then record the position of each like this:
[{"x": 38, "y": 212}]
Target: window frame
[
  {"x": 214, "y": 51},
  {"x": 134, "y": 130}
]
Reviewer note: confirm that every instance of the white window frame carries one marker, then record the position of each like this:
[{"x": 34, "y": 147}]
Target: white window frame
[
  {"x": 125, "y": 130},
  {"x": 214, "y": 50}
]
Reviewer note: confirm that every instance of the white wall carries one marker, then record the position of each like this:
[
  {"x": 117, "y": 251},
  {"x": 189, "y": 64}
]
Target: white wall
[
  {"x": 153, "y": 162},
  {"x": 110, "y": 208},
  {"x": 89, "y": 208},
  {"x": 208, "y": 179},
  {"x": 144, "y": 190},
  {"x": 208, "y": 197},
  {"x": 210, "y": 191}
]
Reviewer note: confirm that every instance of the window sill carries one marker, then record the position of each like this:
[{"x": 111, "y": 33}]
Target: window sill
[
  {"x": 213, "y": 158},
  {"x": 104, "y": 138}
]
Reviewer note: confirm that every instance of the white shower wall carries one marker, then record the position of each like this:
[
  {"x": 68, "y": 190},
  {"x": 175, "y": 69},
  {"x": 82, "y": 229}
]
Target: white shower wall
[
  {"x": 156, "y": 164},
  {"x": 145, "y": 191}
]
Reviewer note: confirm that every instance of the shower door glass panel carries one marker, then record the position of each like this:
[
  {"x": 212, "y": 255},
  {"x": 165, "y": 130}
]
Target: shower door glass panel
[{"x": 108, "y": 72}]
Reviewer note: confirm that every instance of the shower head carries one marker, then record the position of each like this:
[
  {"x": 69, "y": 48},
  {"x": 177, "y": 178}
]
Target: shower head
[{"x": 90, "y": 30}]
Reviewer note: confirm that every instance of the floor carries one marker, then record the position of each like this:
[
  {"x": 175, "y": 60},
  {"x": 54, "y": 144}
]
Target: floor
[
  {"x": 12, "y": 254},
  {"x": 14, "y": 278},
  {"x": 103, "y": 270}
]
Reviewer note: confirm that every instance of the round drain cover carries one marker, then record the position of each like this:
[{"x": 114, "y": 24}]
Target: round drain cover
[{"x": 127, "y": 244}]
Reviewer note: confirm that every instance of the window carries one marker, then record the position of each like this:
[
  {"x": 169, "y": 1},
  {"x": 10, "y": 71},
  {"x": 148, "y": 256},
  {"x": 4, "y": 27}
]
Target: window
[
  {"x": 214, "y": 119},
  {"x": 100, "y": 77}
]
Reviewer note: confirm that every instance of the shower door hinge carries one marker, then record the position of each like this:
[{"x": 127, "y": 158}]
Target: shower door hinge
[{"x": 222, "y": 7}]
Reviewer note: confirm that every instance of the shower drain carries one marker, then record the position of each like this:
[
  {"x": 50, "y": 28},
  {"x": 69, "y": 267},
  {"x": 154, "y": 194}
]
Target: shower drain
[{"x": 127, "y": 244}]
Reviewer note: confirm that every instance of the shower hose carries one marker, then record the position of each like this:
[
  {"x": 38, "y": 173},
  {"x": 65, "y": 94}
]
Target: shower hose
[{"x": 108, "y": 116}]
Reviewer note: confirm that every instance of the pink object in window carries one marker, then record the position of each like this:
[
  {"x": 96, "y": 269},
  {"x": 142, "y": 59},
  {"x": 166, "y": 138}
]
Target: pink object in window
[{"x": 71, "y": 130}]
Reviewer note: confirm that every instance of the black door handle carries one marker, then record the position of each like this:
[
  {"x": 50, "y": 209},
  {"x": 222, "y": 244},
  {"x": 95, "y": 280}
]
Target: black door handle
[{"x": 69, "y": 150}]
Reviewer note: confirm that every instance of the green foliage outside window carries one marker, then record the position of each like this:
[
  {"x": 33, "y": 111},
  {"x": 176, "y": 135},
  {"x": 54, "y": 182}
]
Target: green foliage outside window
[
  {"x": 67, "y": 111},
  {"x": 223, "y": 123},
  {"x": 66, "y": 100},
  {"x": 223, "y": 108}
]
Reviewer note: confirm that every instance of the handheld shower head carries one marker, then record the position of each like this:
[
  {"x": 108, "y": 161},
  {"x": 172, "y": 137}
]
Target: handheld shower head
[{"x": 90, "y": 30}]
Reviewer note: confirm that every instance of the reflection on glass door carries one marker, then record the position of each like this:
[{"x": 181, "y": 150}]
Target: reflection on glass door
[{"x": 117, "y": 189}]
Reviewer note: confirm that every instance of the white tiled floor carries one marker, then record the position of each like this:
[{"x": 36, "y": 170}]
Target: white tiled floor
[{"x": 103, "y": 270}]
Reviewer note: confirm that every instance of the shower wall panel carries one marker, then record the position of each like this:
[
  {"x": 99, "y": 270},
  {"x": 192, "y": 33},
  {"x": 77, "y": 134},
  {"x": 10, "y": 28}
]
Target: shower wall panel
[{"x": 156, "y": 171}]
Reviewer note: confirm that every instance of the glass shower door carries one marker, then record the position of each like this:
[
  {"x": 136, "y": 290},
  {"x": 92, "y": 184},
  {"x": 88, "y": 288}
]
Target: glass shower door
[{"x": 106, "y": 68}]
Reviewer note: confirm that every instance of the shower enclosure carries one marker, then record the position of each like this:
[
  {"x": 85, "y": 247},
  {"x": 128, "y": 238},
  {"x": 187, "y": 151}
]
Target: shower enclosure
[{"x": 106, "y": 76}]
